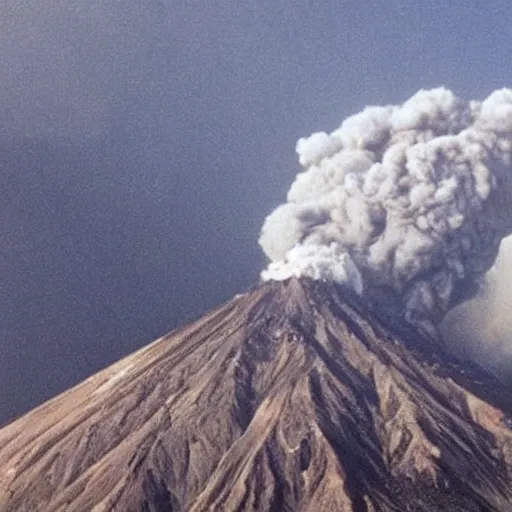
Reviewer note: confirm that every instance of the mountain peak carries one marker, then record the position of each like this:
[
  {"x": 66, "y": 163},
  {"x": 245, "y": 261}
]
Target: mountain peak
[{"x": 293, "y": 396}]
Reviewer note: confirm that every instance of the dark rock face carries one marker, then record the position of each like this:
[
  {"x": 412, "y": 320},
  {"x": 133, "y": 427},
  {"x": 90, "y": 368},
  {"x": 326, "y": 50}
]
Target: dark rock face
[{"x": 292, "y": 397}]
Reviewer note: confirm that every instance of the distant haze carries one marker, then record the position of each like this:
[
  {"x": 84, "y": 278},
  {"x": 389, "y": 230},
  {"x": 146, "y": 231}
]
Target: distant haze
[{"x": 481, "y": 328}]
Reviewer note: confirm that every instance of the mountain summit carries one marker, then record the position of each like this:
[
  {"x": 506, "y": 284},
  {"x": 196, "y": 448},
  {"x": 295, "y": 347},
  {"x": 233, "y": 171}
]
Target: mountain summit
[{"x": 295, "y": 396}]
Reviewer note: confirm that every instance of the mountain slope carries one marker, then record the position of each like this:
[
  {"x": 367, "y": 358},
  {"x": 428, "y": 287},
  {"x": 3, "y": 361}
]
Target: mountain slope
[{"x": 293, "y": 396}]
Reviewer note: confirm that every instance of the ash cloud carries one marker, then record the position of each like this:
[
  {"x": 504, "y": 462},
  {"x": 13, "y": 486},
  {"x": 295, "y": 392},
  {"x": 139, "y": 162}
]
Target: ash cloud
[{"x": 414, "y": 197}]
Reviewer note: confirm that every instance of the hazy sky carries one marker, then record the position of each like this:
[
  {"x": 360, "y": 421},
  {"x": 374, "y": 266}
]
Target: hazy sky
[{"x": 143, "y": 142}]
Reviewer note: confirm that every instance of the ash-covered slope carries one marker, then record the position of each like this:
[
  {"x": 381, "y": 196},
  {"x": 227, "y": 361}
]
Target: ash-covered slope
[{"x": 291, "y": 397}]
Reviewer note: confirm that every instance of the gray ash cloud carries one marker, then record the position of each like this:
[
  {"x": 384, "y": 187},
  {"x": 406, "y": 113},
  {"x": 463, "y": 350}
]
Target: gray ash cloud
[{"x": 414, "y": 197}]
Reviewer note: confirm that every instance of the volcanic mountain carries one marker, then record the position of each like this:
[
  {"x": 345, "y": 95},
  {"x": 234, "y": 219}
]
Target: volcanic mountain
[{"x": 295, "y": 396}]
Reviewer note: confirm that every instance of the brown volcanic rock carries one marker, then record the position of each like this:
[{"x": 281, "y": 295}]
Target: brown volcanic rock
[{"x": 290, "y": 397}]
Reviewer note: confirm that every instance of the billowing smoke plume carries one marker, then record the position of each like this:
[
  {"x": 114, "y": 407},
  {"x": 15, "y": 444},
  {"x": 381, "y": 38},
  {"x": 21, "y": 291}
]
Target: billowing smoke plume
[{"x": 416, "y": 197}]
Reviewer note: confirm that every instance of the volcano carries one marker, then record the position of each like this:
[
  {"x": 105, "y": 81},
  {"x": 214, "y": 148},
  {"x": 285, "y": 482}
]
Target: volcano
[{"x": 295, "y": 396}]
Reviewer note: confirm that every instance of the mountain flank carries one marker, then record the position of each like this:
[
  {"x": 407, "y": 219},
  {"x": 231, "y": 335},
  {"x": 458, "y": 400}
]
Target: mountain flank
[{"x": 295, "y": 396}]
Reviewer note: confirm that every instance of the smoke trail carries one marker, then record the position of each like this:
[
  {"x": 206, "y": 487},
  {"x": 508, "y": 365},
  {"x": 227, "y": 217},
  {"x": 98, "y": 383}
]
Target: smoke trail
[{"x": 413, "y": 197}]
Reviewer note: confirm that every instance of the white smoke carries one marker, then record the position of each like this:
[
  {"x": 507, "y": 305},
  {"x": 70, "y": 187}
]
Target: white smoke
[
  {"x": 414, "y": 197},
  {"x": 322, "y": 262}
]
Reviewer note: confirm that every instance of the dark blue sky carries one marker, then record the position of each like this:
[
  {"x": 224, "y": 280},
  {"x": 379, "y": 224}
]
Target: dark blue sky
[{"x": 143, "y": 142}]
